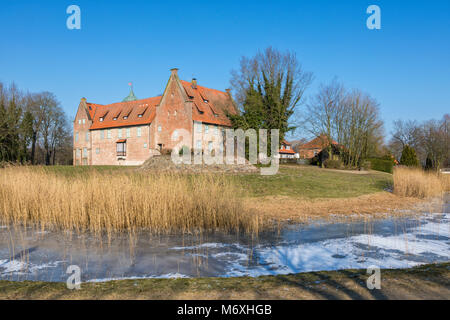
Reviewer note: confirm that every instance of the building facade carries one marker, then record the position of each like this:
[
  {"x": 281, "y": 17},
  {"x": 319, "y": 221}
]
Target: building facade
[
  {"x": 312, "y": 148},
  {"x": 131, "y": 131},
  {"x": 286, "y": 151}
]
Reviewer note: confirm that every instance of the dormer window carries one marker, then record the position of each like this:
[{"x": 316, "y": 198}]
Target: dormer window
[
  {"x": 101, "y": 119},
  {"x": 205, "y": 101},
  {"x": 125, "y": 117},
  {"x": 139, "y": 115},
  {"x": 115, "y": 118}
]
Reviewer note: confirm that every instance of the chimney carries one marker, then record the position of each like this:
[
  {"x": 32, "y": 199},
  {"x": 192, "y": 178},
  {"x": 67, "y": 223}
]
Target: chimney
[
  {"x": 228, "y": 90},
  {"x": 174, "y": 71},
  {"x": 83, "y": 99},
  {"x": 194, "y": 83}
]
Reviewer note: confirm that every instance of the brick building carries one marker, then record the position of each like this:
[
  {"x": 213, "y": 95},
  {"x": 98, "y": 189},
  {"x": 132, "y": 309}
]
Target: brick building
[
  {"x": 286, "y": 151},
  {"x": 312, "y": 148},
  {"x": 131, "y": 131}
]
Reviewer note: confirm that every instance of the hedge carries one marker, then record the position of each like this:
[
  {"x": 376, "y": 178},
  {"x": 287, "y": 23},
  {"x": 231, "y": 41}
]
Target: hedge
[{"x": 381, "y": 165}]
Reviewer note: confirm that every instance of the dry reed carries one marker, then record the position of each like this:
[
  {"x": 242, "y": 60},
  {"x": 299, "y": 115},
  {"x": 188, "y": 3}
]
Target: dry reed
[
  {"x": 118, "y": 201},
  {"x": 414, "y": 182}
]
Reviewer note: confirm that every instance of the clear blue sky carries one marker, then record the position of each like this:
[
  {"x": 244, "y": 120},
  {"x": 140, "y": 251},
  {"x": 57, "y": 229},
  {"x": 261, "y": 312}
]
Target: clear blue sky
[{"x": 405, "y": 65}]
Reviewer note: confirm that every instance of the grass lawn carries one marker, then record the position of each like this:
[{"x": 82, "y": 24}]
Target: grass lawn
[
  {"x": 424, "y": 282},
  {"x": 312, "y": 182}
]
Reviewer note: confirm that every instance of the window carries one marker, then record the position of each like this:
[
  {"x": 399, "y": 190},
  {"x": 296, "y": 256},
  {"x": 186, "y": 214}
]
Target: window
[
  {"x": 210, "y": 146},
  {"x": 159, "y": 129},
  {"x": 128, "y": 132},
  {"x": 115, "y": 118},
  {"x": 84, "y": 121},
  {"x": 102, "y": 134},
  {"x": 216, "y": 130},
  {"x": 288, "y": 147},
  {"x": 84, "y": 152},
  {"x": 119, "y": 133},
  {"x": 139, "y": 115},
  {"x": 108, "y": 134},
  {"x": 139, "y": 132},
  {"x": 145, "y": 146},
  {"x": 78, "y": 153},
  {"x": 79, "y": 121},
  {"x": 175, "y": 135},
  {"x": 76, "y": 136},
  {"x": 97, "y": 151},
  {"x": 101, "y": 119},
  {"x": 199, "y": 127},
  {"x": 206, "y": 128},
  {"x": 121, "y": 148},
  {"x": 175, "y": 113},
  {"x": 199, "y": 144},
  {"x": 87, "y": 136},
  {"x": 125, "y": 117}
]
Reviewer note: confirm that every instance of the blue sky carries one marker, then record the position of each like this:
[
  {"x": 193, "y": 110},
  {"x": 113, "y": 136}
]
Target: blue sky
[{"x": 405, "y": 65}]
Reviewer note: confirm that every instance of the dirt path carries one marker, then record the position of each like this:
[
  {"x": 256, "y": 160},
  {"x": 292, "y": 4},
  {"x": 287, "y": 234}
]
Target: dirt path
[{"x": 425, "y": 282}]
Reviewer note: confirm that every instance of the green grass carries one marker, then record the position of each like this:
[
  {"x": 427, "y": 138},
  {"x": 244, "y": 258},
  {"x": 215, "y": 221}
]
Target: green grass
[
  {"x": 427, "y": 281},
  {"x": 312, "y": 182}
]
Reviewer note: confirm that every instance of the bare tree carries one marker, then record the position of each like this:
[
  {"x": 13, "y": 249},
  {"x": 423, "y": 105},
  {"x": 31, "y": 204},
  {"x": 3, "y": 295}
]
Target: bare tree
[
  {"x": 350, "y": 117},
  {"x": 406, "y": 133}
]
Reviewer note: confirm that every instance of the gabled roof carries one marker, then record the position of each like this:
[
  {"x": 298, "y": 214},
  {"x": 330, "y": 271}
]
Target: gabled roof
[
  {"x": 209, "y": 105},
  {"x": 131, "y": 109},
  {"x": 319, "y": 142},
  {"x": 284, "y": 150}
]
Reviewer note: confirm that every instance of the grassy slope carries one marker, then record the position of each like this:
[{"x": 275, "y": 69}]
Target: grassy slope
[
  {"x": 425, "y": 282},
  {"x": 312, "y": 182}
]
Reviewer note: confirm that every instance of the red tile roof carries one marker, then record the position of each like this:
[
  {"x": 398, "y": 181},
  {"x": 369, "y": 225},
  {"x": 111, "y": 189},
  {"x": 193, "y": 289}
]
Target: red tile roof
[
  {"x": 284, "y": 150},
  {"x": 131, "y": 109},
  {"x": 319, "y": 142},
  {"x": 209, "y": 106}
]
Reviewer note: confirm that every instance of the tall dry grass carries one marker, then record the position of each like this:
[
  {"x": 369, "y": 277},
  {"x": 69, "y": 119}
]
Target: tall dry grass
[
  {"x": 118, "y": 201},
  {"x": 414, "y": 182}
]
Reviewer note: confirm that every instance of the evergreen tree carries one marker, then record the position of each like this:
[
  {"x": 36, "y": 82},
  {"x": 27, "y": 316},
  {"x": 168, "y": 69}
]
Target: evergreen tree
[{"x": 409, "y": 157}]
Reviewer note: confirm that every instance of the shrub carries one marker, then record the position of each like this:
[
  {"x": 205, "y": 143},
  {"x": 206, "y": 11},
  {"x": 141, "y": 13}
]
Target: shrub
[
  {"x": 409, "y": 157},
  {"x": 166, "y": 151},
  {"x": 184, "y": 150},
  {"x": 332, "y": 164},
  {"x": 381, "y": 165}
]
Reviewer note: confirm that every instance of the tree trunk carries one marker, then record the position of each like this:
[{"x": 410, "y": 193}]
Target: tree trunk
[{"x": 33, "y": 147}]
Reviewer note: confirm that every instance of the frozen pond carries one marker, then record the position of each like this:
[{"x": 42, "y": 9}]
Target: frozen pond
[{"x": 387, "y": 243}]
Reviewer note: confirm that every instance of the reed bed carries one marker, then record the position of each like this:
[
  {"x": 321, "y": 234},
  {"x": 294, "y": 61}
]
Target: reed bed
[
  {"x": 122, "y": 201},
  {"x": 415, "y": 182}
]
